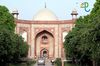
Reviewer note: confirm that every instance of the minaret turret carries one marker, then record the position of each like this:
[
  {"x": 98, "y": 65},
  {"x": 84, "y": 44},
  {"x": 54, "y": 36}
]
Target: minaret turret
[
  {"x": 15, "y": 13},
  {"x": 74, "y": 14}
]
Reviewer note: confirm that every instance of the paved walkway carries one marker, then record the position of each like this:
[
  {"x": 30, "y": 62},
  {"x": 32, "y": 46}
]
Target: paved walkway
[{"x": 47, "y": 63}]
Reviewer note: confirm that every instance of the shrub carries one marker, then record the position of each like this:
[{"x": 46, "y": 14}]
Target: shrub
[{"x": 58, "y": 62}]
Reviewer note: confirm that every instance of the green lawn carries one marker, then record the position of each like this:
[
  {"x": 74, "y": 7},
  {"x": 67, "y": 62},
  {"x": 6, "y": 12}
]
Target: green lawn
[
  {"x": 19, "y": 65},
  {"x": 69, "y": 64},
  {"x": 29, "y": 63}
]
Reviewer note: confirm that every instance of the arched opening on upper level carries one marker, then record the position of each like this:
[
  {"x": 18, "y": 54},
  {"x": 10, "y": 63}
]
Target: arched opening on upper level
[{"x": 24, "y": 35}]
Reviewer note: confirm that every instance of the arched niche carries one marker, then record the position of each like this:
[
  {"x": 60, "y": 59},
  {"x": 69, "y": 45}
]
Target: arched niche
[
  {"x": 64, "y": 35},
  {"x": 24, "y": 35},
  {"x": 44, "y": 39}
]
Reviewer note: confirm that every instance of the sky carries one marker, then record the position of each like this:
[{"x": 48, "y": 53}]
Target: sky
[{"x": 62, "y": 8}]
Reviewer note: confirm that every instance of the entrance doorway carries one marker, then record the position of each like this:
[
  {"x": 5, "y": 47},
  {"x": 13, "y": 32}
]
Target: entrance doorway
[
  {"x": 44, "y": 44},
  {"x": 44, "y": 53}
]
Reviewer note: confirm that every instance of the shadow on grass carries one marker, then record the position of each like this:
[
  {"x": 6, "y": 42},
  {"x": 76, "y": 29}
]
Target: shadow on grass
[
  {"x": 70, "y": 64},
  {"x": 23, "y": 63}
]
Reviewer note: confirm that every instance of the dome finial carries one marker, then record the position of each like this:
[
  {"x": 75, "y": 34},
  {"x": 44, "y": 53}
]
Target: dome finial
[{"x": 45, "y": 5}]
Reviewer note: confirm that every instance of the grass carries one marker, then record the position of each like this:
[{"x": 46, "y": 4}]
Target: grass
[
  {"x": 70, "y": 64},
  {"x": 26, "y": 63},
  {"x": 18, "y": 64},
  {"x": 22, "y": 64}
]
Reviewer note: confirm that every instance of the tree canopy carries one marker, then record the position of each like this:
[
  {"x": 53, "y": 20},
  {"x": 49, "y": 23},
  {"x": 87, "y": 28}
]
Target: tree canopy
[
  {"x": 83, "y": 42},
  {"x": 6, "y": 19},
  {"x": 12, "y": 46}
]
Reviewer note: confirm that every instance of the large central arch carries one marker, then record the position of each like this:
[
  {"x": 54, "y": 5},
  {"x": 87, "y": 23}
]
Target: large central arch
[{"x": 44, "y": 39}]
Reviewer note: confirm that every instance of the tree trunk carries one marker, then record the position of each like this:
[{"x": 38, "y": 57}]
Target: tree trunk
[{"x": 94, "y": 63}]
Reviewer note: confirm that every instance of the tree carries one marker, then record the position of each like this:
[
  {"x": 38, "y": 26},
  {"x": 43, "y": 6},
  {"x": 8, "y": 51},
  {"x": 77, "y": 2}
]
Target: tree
[
  {"x": 73, "y": 40},
  {"x": 84, "y": 40},
  {"x": 96, "y": 10},
  {"x": 12, "y": 47},
  {"x": 95, "y": 40},
  {"x": 6, "y": 19}
]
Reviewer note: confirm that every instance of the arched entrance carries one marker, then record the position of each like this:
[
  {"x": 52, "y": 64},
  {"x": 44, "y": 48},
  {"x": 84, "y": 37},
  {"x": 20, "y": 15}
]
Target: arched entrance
[
  {"x": 44, "y": 44},
  {"x": 44, "y": 53}
]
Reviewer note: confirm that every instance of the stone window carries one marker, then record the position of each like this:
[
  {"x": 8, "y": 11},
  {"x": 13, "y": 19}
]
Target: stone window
[
  {"x": 44, "y": 39},
  {"x": 64, "y": 35},
  {"x": 24, "y": 35}
]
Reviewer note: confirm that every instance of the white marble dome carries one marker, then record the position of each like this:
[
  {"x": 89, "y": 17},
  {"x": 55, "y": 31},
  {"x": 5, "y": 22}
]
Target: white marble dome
[{"x": 45, "y": 15}]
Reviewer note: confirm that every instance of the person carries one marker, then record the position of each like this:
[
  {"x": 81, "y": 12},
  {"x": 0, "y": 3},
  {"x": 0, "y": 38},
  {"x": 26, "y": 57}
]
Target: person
[{"x": 52, "y": 61}]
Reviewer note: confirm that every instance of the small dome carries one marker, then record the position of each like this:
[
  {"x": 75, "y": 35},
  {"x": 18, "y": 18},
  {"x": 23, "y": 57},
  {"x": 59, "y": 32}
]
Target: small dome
[
  {"x": 74, "y": 12},
  {"x": 45, "y": 15},
  {"x": 15, "y": 11}
]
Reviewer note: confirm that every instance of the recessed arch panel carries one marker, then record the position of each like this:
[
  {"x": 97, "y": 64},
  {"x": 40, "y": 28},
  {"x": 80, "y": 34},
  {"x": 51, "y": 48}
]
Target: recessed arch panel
[{"x": 44, "y": 39}]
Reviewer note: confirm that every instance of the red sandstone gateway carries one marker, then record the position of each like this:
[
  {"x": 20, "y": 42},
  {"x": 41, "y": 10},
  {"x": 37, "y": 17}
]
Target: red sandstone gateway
[{"x": 45, "y": 33}]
